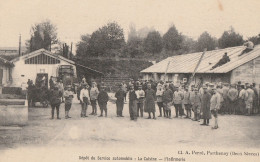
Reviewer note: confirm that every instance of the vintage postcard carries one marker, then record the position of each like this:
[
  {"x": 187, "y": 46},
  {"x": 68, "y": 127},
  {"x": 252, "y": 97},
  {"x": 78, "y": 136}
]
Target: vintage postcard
[{"x": 129, "y": 80}]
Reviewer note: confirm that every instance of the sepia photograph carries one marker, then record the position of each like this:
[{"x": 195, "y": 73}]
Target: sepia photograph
[{"x": 130, "y": 80}]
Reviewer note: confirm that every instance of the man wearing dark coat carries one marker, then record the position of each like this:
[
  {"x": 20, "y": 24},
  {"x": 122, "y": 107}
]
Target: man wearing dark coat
[
  {"x": 132, "y": 103},
  {"x": 55, "y": 101},
  {"x": 102, "y": 101},
  {"x": 205, "y": 106},
  {"x": 120, "y": 95},
  {"x": 150, "y": 98}
]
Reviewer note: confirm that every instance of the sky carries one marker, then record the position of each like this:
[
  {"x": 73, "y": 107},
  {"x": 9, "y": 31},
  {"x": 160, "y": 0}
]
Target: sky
[{"x": 76, "y": 17}]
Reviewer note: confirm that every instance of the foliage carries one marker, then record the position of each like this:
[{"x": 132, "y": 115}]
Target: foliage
[
  {"x": 230, "y": 39},
  {"x": 134, "y": 47},
  {"x": 255, "y": 39},
  {"x": 172, "y": 39},
  {"x": 109, "y": 37},
  {"x": 82, "y": 45},
  {"x": 43, "y": 35},
  {"x": 206, "y": 41},
  {"x": 153, "y": 42}
]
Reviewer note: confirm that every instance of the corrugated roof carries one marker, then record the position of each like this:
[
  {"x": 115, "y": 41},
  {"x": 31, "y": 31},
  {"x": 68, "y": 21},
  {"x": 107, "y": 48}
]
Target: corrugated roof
[{"x": 186, "y": 63}]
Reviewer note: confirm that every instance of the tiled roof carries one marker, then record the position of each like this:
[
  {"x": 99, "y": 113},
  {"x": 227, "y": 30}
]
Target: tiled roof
[{"x": 186, "y": 63}]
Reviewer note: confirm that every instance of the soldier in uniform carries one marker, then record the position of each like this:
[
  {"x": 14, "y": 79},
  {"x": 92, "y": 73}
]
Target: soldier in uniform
[
  {"x": 186, "y": 102},
  {"x": 215, "y": 102},
  {"x": 232, "y": 96},
  {"x": 196, "y": 103},
  {"x": 140, "y": 100},
  {"x": 93, "y": 98},
  {"x": 167, "y": 100},
  {"x": 150, "y": 98},
  {"x": 120, "y": 95},
  {"x": 177, "y": 101},
  {"x": 68, "y": 95},
  {"x": 84, "y": 100},
  {"x": 205, "y": 106},
  {"x": 102, "y": 101},
  {"x": 132, "y": 103},
  {"x": 55, "y": 101}
]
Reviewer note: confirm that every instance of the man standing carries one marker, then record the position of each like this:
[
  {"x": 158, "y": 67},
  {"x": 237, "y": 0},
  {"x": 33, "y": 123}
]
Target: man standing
[
  {"x": 255, "y": 102},
  {"x": 167, "y": 100},
  {"x": 68, "y": 95},
  {"x": 225, "y": 90},
  {"x": 177, "y": 101},
  {"x": 51, "y": 82},
  {"x": 186, "y": 102},
  {"x": 215, "y": 102},
  {"x": 159, "y": 94},
  {"x": 93, "y": 98},
  {"x": 55, "y": 96},
  {"x": 120, "y": 94},
  {"x": 150, "y": 98},
  {"x": 102, "y": 101},
  {"x": 249, "y": 100},
  {"x": 232, "y": 96},
  {"x": 124, "y": 87},
  {"x": 196, "y": 104},
  {"x": 61, "y": 89},
  {"x": 242, "y": 99},
  {"x": 140, "y": 100},
  {"x": 84, "y": 100},
  {"x": 205, "y": 106},
  {"x": 132, "y": 103}
]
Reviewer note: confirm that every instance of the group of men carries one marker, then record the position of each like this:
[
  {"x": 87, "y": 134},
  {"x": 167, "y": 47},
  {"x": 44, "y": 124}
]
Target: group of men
[
  {"x": 203, "y": 102},
  {"x": 207, "y": 101}
]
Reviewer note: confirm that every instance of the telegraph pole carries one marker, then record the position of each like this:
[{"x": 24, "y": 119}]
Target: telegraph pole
[{"x": 20, "y": 45}]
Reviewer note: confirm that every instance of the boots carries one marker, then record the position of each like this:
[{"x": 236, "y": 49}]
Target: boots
[
  {"x": 58, "y": 112},
  {"x": 52, "y": 113},
  {"x": 154, "y": 115},
  {"x": 160, "y": 112},
  {"x": 149, "y": 116},
  {"x": 170, "y": 114},
  {"x": 105, "y": 113},
  {"x": 101, "y": 114}
]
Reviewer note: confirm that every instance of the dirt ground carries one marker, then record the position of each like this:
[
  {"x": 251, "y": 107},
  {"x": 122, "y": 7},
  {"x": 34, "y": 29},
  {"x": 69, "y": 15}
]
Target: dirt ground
[{"x": 112, "y": 132}]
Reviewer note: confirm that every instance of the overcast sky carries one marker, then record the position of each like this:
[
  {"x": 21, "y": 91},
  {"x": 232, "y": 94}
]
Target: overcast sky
[{"x": 76, "y": 17}]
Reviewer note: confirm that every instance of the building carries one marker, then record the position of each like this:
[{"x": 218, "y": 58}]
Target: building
[
  {"x": 245, "y": 68},
  {"x": 12, "y": 50},
  {"x": 43, "y": 63}
]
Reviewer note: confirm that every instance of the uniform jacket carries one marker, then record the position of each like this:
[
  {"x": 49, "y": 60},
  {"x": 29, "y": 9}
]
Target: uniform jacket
[
  {"x": 251, "y": 94},
  {"x": 177, "y": 97},
  {"x": 167, "y": 96},
  {"x": 102, "y": 97},
  {"x": 232, "y": 94},
  {"x": 186, "y": 97},
  {"x": 94, "y": 93},
  {"x": 215, "y": 101}
]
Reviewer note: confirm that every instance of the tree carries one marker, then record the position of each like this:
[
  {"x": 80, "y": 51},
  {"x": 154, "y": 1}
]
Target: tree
[
  {"x": 109, "y": 37},
  {"x": 255, "y": 39},
  {"x": 134, "y": 47},
  {"x": 230, "y": 39},
  {"x": 172, "y": 39},
  {"x": 153, "y": 42},
  {"x": 206, "y": 41},
  {"x": 188, "y": 45},
  {"x": 43, "y": 35},
  {"x": 82, "y": 45}
]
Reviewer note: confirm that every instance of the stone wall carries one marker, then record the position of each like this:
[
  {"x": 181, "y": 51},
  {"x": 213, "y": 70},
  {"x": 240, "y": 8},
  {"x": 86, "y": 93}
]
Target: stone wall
[{"x": 247, "y": 73}]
